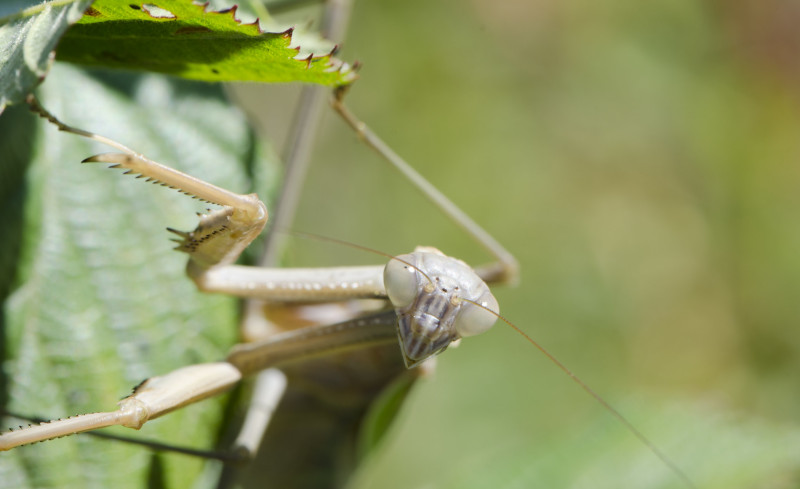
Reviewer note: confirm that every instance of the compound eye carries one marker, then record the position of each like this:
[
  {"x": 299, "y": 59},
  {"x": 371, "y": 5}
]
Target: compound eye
[
  {"x": 473, "y": 319},
  {"x": 400, "y": 280}
]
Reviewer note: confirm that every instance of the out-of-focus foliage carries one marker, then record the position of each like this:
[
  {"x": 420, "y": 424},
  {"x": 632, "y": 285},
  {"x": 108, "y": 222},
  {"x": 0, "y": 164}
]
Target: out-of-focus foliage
[{"x": 643, "y": 162}]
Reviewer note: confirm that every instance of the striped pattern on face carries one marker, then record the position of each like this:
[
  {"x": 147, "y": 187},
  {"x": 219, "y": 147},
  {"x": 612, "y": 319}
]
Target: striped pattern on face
[{"x": 428, "y": 324}]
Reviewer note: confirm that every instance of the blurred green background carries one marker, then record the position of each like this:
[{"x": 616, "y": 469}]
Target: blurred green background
[{"x": 641, "y": 161}]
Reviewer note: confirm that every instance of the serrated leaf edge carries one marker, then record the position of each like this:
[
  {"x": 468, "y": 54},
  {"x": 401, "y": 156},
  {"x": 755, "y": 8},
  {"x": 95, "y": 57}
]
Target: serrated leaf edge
[{"x": 347, "y": 70}]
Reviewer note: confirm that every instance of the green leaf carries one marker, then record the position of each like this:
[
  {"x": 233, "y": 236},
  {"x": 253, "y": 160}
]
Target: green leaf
[
  {"x": 181, "y": 38},
  {"x": 26, "y": 43},
  {"x": 101, "y": 301},
  {"x": 382, "y": 414}
]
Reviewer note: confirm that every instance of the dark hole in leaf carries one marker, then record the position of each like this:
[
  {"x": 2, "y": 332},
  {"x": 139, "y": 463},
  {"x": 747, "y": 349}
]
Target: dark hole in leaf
[
  {"x": 215, "y": 71},
  {"x": 135, "y": 7}
]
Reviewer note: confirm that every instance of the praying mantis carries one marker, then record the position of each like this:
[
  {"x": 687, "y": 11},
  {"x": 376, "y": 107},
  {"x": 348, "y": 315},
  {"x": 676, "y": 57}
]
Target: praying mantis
[
  {"x": 491, "y": 304},
  {"x": 218, "y": 240},
  {"x": 235, "y": 239},
  {"x": 431, "y": 322},
  {"x": 205, "y": 252}
]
